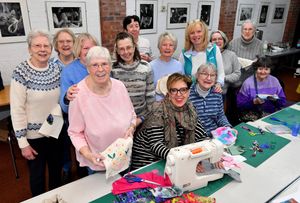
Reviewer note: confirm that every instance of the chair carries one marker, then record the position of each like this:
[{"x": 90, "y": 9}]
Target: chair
[{"x": 11, "y": 139}]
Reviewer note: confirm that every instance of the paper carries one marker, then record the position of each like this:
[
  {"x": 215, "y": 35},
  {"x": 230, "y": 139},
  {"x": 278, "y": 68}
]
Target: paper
[
  {"x": 245, "y": 62},
  {"x": 265, "y": 96},
  {"x": 278, "y": 129}
]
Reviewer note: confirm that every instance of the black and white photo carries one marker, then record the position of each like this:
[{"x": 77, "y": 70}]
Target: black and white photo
[
  {"x": 205, "y": 12},
  {"x": 245, "y": 12},
  {"x": 14, "y": 23},
  {"x": 278, "y": 14},
  {"x": 147, "y": 11},
  {"x": 178, "y": 15},
  {"x": 263, "y": 14},
  {"x": 66, "y": 15}
]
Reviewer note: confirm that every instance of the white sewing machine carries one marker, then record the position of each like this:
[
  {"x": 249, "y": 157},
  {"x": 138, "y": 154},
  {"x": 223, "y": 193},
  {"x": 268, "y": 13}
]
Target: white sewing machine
[{"x": 182, "y": 162}]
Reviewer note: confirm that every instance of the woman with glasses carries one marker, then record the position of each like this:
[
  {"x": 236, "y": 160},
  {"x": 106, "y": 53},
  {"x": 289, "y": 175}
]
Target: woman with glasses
[
  {"x": 208, "y": 104},
  {"x": 107, "y": 114},
  {"x": 34, "y": 92},
  {"x": 172, "y": 122},
  {"x": 197, "y": 50},
  {"x": 135, "y": 74}
]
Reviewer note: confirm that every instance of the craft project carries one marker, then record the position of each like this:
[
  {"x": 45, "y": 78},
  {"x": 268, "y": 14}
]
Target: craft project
[
  {"x": 117, "y": 156},
  {"x": 226, "y": 135}
]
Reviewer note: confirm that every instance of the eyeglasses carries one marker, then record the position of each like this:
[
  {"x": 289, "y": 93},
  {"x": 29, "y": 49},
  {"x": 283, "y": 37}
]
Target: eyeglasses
[
  {"x": 123, "y": 49},
  {"x": 174, "y": 91},
  {"x": 40, "y": 46},
  {"x": 212, "y": 75},
  {"x": 102, "y": 65}
]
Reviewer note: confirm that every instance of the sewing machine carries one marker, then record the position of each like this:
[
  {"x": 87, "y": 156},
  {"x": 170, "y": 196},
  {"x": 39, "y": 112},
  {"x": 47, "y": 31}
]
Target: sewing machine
[{"x": 182, "y": 162}]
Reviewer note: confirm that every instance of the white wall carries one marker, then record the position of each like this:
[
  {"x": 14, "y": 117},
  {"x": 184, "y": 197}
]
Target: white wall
[
  {"x": 273, "y": 32},
  {"x": 162, "y": 21},
  {"x": 11, "y": 54}
]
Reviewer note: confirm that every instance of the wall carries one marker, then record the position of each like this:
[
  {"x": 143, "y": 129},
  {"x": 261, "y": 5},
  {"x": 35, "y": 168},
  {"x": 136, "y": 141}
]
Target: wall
[
  {"x": 162, "y": 21},
  {"x": 13, "y": 53},
  {"x": 291, "y": 22}
]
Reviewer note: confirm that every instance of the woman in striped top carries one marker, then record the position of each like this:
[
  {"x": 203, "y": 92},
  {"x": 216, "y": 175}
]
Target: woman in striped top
[{"x": 172, "y": 122}]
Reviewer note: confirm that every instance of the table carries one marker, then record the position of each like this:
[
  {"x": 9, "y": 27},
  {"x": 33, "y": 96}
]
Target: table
[
  {"x": 293, "y": 52},
  {"x": 258, "y": 184}
]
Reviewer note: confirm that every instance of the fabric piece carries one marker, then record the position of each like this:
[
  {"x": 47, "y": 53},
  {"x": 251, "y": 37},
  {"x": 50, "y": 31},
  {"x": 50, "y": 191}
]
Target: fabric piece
[
  {"x": 161, "y": 87},
  {"x": 164, "y": 114},
  {"x": 53, "y": 124},
  {"x": 117, "y": 156},
  {"x": 289, "y": 115},
  {"x": 121, "y": 185},
  {"x": 226, "y": 135}
]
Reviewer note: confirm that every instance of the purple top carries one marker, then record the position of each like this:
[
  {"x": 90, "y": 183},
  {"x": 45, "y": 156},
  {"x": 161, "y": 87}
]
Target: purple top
[{"x": 269, "y": 86}]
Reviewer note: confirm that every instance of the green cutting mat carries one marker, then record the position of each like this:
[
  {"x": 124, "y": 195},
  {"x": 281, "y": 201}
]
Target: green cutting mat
[
  {"x": 160, "y": 166},
  {"x": 244, "y": 139},
  {"x": 289, "y": 115}
]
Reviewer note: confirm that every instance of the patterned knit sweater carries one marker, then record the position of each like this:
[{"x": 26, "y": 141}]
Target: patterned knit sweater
[
  {"x": 138, "y": 79},
  {"x": 247, "y": 50},
  {"x": 34, "y": 92}
]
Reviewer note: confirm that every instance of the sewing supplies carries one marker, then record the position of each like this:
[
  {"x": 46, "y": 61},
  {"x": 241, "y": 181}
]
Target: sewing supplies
[
  {"x": 252, "y": 133},
  {"x": 141, "y": 195},
  {"x": 181, "y": 160},
  {"x": 166, "y": 192},
  {"x": 133, "y": 179},
  {"x": 261, "y": 130},
  {"x": 256, "y": 148},
  {"x": 235, "y": 150},
  {"x": 226, "y": 135}
]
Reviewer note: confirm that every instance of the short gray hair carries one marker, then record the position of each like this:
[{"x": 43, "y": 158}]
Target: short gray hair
[
  {"x": 206, "y": 66},
  {"x": 167, "y": 35},
  {"x": 251, "y": 22},
  {"x": 98, "y": 52},
  {"x": 38, "y": 33}
]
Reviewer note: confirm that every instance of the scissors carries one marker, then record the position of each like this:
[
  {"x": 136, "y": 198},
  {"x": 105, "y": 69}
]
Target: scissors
[{"x": 133, "y": 178}]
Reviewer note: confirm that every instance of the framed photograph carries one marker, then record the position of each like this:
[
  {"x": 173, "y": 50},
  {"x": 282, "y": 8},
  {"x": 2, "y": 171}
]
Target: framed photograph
[
  {"x": 66, "y": 15},
  {"x": 147, "y": 11},
  {"x": 178, "y": 15},
  {"x": 278, "y": 14},
  {"x": 245, "y": 12},
  {"x": 14, "y": 21},
  {"x": 263, "y": 14},
  {"x": 205, "y": 12}
]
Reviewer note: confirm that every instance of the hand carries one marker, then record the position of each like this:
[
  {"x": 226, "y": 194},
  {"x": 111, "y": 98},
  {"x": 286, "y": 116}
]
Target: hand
[
  {"x": 145, "y": 57},
  {"x": 218, "y": 88},
  {"x": 130, "y": 131},
  {"x": 96, "y": 159},
  {"x": 272, "y": 99},
  {"x": 138, "y": 121},
  {"x": 28, "y": 153},
  {"x": 258, "y": 100},
  {"x": 200, "y": 168},
  {"x": 72, "y": 91}
]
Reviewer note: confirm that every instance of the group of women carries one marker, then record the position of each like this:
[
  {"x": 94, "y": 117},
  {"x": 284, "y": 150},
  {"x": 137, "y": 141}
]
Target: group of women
[{"x": 105, "y": 100}]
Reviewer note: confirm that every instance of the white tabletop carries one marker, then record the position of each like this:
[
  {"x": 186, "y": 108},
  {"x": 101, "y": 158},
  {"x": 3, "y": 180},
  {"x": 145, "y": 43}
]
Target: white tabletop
[
  {"x": 80, "y": 191},
  {"x": 258, "y": 184}
]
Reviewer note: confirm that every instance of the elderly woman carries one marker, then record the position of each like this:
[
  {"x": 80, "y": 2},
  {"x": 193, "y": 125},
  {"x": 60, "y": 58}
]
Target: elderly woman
[
  {"x": 34, "y": 93},
  {"x": 75, "y": 71},
  {"x": 261, "y": 93},
  {"x": 165, "y": 64},
  {"x": 198, "y": 50},
  {"x": 63, "y": 42},
  {"x": 172, "y": 122},
  {"x": 247, "y": 46},
  {"x": 232, "y": 67},
  {"x": 104, "y": 95},
  {"x": 208, "y": 104},
  {"x": 135, "y": 74}
]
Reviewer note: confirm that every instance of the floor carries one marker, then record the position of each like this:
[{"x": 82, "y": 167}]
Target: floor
[{"x": 15, "y": 190}]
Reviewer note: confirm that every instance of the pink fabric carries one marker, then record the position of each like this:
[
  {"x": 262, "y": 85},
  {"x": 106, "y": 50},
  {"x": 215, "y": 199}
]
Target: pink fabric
[
  {"x": 121, "y": 185},
  {"x": 97, "y": 121}
]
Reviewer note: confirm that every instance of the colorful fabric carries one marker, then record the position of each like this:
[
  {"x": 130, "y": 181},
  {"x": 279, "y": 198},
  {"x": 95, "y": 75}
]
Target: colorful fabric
[
  {"x": 226, "y": 135},
  {"x": 117, "y": 156}
]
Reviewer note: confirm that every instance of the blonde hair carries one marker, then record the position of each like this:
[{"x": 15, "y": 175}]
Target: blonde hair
[
  {"x": 190, "y": 28},
  {"x": 79, "y": 41},
  {"x": 64, "y": 30}
]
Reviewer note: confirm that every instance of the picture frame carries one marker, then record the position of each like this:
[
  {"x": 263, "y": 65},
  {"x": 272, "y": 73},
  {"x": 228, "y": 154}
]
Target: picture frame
[
  {"x": 205, "y": 12},
  {"x": 70, "y": 15},
  {"x": 14, "y": 21},
  {"x": 147, "y": 11},
  {"x": 178, "y": 15},
  {"x": 278, "y": 13},
  {"x": 263, "y": 14},
  {"x": 246, "y": 11}
]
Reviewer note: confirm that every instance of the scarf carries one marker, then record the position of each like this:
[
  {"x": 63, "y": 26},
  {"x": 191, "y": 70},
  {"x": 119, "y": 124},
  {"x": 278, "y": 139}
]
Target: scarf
[{"x": 165, "y": 114}]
